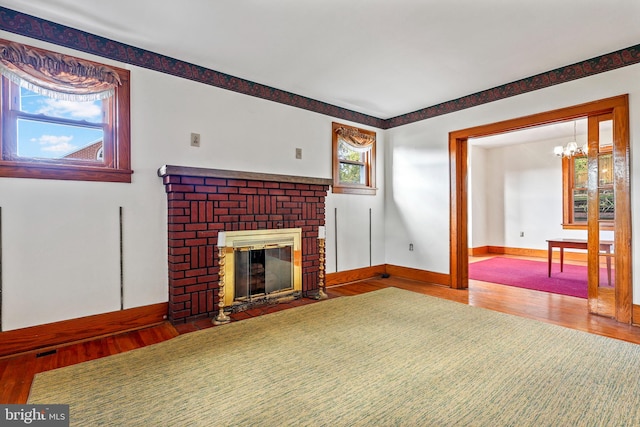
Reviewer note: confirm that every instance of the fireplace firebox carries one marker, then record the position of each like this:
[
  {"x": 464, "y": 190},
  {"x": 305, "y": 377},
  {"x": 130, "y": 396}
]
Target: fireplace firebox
[{"x": 262, "y": 265}]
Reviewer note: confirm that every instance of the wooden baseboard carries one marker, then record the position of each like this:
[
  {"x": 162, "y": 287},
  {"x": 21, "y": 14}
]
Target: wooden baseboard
[
  {"x": 537, "y": 253},
  {"x": 479, "y": 251},
  {"x": 348, "y": 276},
  {"x": 42, "y": 337},
  {"x": 635, "y": 315},
  {"x": 416, "y": 274},
  {"x": 342, "y": 277},
  {"x": 504, "y": 250}
]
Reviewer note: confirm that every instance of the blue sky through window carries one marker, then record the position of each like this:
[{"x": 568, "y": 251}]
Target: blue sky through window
[{"x": 45, "y": 140}]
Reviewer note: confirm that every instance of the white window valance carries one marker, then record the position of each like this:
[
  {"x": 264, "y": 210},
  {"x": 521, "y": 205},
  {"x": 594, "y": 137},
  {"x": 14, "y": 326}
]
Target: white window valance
[
  {"x": 357, "y": 140},
  {"x": 56, "y": 75}
]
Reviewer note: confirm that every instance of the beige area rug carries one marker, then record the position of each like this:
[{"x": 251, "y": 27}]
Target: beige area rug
[{"x": 385, "y": 358}]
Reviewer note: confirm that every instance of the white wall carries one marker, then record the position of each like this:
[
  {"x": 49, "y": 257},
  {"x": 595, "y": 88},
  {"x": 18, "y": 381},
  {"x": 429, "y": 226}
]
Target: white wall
[
  {"x": 480, "y": 197},
  {"x": 417, "y": 196},
  {"x": 417, "y": 199},
  {"x": 348, "y": 219},
  {"x": 521, "y": 192},
  {"x": 514, "y": 189},
  {"x": 60, "y": 239}
]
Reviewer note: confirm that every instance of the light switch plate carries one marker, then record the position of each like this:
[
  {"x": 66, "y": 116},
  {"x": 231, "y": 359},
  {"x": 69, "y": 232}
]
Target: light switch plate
[{"x": 195, "y": 139}]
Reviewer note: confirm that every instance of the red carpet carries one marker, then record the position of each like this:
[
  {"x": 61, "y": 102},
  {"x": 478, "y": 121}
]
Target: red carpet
[{"x": 533, "y": 275}]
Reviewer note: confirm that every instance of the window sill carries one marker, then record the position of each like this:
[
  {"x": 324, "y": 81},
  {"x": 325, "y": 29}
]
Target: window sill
[
  {"x": 63, "y": 172},
  {"x": 584, "y": 226},
  {"x": 342, "y": 189}
]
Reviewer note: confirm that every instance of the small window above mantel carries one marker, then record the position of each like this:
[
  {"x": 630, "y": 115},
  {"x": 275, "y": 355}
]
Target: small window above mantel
[{"x": 354, "y": 160}]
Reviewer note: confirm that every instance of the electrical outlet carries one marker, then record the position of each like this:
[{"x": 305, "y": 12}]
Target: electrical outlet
[
  {"x": 522, "y": 234},
  {"x": 298, "y": 153},
  {"x": 195, "y": 139},
  {"x": 411, "y": 246}
]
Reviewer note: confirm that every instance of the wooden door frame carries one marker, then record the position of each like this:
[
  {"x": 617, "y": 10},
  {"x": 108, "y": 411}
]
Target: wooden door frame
[{"x": 458, "y": 173}]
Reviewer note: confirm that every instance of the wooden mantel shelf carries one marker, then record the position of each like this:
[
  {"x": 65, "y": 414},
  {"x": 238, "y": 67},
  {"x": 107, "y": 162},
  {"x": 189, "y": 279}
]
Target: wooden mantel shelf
[{"x": 230, "y": 174}]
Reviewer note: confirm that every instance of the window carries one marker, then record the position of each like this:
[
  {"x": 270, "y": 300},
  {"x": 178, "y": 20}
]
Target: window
[
  {"x": 574, "y": 170},
  {"x": 62, "y": 117},
  {"x": 574, "y": 178},
  {"x": 605, "y": 187},
  {"x": 354, "y": 153}
]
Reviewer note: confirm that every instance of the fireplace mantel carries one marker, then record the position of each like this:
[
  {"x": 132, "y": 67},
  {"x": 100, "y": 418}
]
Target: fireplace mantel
[{"x": 231, "y": 174}]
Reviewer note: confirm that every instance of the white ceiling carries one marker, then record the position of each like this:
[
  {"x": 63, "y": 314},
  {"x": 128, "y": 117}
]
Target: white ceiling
[
  {"x": 379, "y": 57},
  {"x": 556, "y": 131}
]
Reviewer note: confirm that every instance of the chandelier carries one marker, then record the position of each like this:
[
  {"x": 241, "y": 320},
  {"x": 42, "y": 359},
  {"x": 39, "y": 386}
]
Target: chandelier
[{"x": 572, "y": 148}]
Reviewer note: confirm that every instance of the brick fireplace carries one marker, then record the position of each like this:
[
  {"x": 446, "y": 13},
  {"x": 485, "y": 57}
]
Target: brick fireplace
[{"x": 202, "y": 202}]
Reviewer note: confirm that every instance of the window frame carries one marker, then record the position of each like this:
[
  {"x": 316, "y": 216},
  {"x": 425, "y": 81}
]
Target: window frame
[
  {"x": 568, "y": 174},
  {"x": 369, "y": 163},
  {"x": 116, "y": 166},
  {"x": 568, "y": 187}
]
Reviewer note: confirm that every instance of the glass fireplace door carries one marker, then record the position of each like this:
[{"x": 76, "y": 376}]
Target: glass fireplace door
[{"x": 263, "y": 271}]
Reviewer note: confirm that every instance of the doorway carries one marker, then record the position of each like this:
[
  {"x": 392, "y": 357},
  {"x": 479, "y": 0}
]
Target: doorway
[{"x": 619, "y": 301}]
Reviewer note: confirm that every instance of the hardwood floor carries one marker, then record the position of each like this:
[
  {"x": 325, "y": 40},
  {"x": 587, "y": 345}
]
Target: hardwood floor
[{"x": 17, "y": 372}]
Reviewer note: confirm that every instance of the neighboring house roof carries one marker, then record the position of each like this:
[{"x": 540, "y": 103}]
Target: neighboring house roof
[{"x": 88, "y": 152}]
